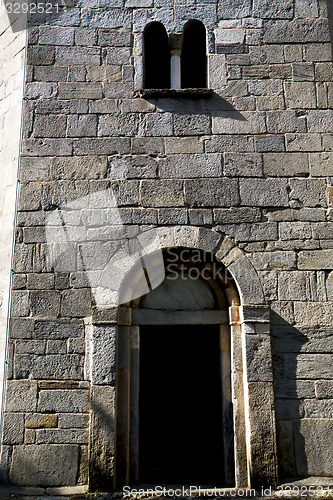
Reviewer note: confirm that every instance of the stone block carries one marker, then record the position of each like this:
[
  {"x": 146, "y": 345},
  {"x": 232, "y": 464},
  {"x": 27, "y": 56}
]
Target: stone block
[
  {"x": 62, "y": 436},
  {"x": 147, "y": 145},
  {"x": 217, "y": 70},
  {"x": 300, "y": 94},
  {"x": 106, "y": 18},
  {"x": 191, "y": 165},
  {"x": 229, "y": 36},
  {"x": 265, "y": 87},
  {"x": 103, "y": 370},
  {"x": 51, "y": 366},
  {"x": 45, "y": 303},
  {"x": 102, "y": 433},
  {"x": 40, "y": 420},
  {"x": 85, "y": 36},
  {"x": 21, "y": 396},
  {"x": 243, "y": 165},
  {"x": 114, "y": 38},
  {"x": 80, "y": 90},
  {"x": 56, "y": 35},
  {"x": 285, "y": 122},
  {"x": 13, "y": 428},
  {"x": 289, "y": 409},
  {"x": 103, "y": 106},
  {"x": 47, "y": 147},
  {"x": 313, "y": 456},
  {"x": 43, "y": 468},
  {"x": 78, "y": 55},
  {"x": 278, "y": 10},
  {"x": 30, "y": 347},
  {"x": 56, "y": 347},
  {"x": 229, "y": 143},
  {"x": 20, "y": 303},
  {"x": 324, "y": 389},
  {"x": 233, "y": 122},
  {"x": 313, "y": 313},
  {"x": 172, "y": 216},
  {"x": 303, "y": 72},
  {"x": 320, "y": 120},
  {"x": 30, "y": 196},
  {"x": 307, "y": 193},
  {"x": 142, "y": 17},
  {"x": 118, "y": 125},
  {"x": 295, "y": 230},
  {"x": 191, "y": 124},
  {"x": 318, "y": 409},
  {"x": 107, "y": 146},
  {"x": 39, "y": 55},
  {"x": 73, "y": 420},
  {"x": 315, "y": 259},
  {"x": 321, "y": 164},
  {"x": 76, "y": 303},
  {"x": 258, "y": 359},
  {"x": 323, "y": 71},
  {"x": 286, "y": 450},
  {"x": 21, "y": 328},
  {"x": 246, "y": 276},
  {"x": 63, "y": 401},
  {"x": 317, "y": 52},
  {"x": 53, "y": 106},
  {"x": 214, "y": 192},
  {"x": 264, "y": 192},
  {"x": 82, "y": 126},
  {"x": 297, "y": 285},
  {"x": 84, "y": 167},
  {"x": 205, "y": 13},
  {"x": 303, "y": 142},
  {"x": 164, "y": 193},
  {"x": 296, "y": 31},
  {"x": 181, "y": 145},
  {"x": 274, "y": 260},
  {"x": 292, "y": 389},
  {"x": 306, "y": 8},
  {"x": 236, "y": 215},
  {"x": 120, "y": 56},
  {"x": 233, "y": 9},
  {"x": 50, "y": 74},
  {"x": 269, "y": 143},
  {"x": 104, "y": 73}
]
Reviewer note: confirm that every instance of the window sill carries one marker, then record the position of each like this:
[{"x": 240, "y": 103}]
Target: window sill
[{"x": 175, "y": 93}]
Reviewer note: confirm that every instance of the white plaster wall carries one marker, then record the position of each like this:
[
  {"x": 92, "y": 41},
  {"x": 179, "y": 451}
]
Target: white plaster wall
[{"x": 12, "y": 53}]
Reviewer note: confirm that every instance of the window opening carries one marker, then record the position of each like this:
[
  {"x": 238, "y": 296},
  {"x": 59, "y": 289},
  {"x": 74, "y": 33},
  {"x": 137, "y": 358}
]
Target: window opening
[{"x": 156, "y": 57}]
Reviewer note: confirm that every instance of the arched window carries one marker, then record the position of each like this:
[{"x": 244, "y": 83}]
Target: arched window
[
  {"x": 156, "y": 57},
  {"x": 193, "y": 56}
]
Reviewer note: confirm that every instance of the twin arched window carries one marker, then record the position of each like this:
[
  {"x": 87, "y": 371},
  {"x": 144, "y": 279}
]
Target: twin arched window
[{"x": 175, "y": 61}]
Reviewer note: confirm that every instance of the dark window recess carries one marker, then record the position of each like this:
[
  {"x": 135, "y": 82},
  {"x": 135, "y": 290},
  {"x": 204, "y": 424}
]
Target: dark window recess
[
  {"x": 156, "y": 57},
  {"x": 193, "y": 56}
]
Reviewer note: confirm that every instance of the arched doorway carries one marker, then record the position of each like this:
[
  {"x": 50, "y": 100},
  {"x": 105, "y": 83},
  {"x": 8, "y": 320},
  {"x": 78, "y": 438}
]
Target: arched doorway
[{"x": 175, "y": 420}]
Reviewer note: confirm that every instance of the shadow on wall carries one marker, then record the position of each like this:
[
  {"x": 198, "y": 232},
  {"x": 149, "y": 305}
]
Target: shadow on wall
[{"x": 294, "y": 385}]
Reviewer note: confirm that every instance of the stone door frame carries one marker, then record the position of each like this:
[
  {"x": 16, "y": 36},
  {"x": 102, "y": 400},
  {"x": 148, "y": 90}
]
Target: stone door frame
[
  {"x": 252, "y": 373},
  {"x": 251, "y": 359}
]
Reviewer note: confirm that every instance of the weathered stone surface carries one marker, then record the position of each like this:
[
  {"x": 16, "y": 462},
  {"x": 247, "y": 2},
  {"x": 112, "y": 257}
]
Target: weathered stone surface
[
  {"x": 297, "y": 31},
  {"x": 190, "y": 124},
  {"x": 161, "y": 193},
  {"x": 315, "y": 259},
  {"x": 103, "y": 369},
  {"x": 308, "y": 366},
  {"x": 201, "y": 193},
  {"x": 45, "y": 303},
  {"x": 43, "y": 467},
  {"x": 61, "y": 436},
  {"x": 243, "y": 165},
  {"x": 102, "y": 433},
  {"x": 321, "y": 164},
  {"x": 191, "y": 165},
  {"x": 308, "y": 192},
  {"x": 258, "y": 359},
  {"x": 297, "y": 339},
  {"x": 13, "y": 428},
  {"x": 285, "y": 122},
  {"x": 233, "y": 122},
  {"x": 64, "y": 401},
  {"x": 76, "y": 303},
  {"x": 40, "y": 421},
  {"x": 51, "y": 366},
  {"x": 324, "y": 389},
  {"x": 285, "y": 164},
  {"x": 73, "y": 420},
  {"x": 313, "y": 457},
  {"x": 119, "y": 125},
  {"x": 264, "y": 192},
  {"x": 58, "y": 329},
  {"x": 21, "y": 396}
]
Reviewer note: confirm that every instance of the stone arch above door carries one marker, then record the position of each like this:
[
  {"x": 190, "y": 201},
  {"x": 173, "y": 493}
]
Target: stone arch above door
[{"x": 257, "y": 464}]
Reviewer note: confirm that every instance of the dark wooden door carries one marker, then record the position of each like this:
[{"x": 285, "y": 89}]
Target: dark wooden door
[{"x": 180, "y": 406}]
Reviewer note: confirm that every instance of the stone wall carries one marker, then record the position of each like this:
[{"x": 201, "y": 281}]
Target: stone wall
[
  {"x": 253, "y": 162},
  {"x": 12, "y": 46}
]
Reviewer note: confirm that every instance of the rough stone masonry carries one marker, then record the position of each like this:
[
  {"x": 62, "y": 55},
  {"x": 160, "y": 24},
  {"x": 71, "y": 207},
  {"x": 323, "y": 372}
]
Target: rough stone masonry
[{"x": 251, "y": 166}]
